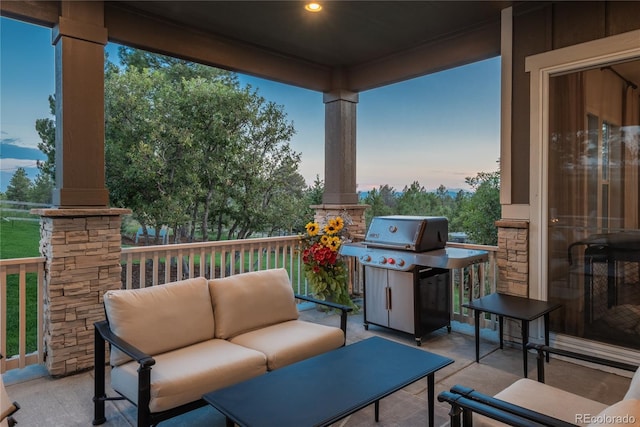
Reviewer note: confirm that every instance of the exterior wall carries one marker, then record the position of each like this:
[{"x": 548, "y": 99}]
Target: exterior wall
[
  {"x": 82, "y": 250},
  {"x": 543, "y": 26}
]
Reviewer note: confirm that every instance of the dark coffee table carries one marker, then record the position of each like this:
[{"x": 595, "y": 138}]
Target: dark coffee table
[
  {"x": 519, "y": 308},
  {"x": 324, "y": 389}
]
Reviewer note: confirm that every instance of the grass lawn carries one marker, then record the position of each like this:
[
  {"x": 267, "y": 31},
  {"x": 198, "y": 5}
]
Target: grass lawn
[{"x": 20, "y": 239}]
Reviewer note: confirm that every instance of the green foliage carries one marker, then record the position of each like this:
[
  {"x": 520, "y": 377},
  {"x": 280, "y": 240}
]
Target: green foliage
[
  {"x": 482, "y": 209},
  {"x": 186, "y": 145},
  {"x": 382, "y": 202},
  {"x": 19, "y": 186},
  {"x": 46, "y": 129},
  {"x": 41, "y": 190},
  {"x": 330, "y": 284}
]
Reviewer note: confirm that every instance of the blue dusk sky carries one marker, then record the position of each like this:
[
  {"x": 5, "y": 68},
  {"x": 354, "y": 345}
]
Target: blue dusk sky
[{"x": 436, "y": 129}]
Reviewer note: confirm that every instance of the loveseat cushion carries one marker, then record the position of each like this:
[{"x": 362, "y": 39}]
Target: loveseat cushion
[
  {"x": 160, "y": 318},
  {"x": 249, "y": 301},
  {"x": 634, "y": 387},
  {"x": 621, "y": 414},
  {"x": 184, "y": 375},
  {"x": 545, "y": 399},
  {"x": 289, "y": 342}
]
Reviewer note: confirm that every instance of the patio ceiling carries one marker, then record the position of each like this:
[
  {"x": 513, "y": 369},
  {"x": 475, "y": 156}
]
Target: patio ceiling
[{"x": 355, "y": 45}]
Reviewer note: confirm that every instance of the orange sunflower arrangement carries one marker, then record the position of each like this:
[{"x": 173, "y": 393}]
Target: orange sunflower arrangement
[{"x": 324, "y": 268}]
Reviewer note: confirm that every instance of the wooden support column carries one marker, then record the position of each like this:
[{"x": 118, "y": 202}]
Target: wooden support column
[
  {"x": 340, "y": 148},
  {"x": 79, "y": 40}
]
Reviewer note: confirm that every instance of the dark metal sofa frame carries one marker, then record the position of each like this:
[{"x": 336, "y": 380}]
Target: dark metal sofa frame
[
  {"x": 103, "y": 334},
  {"x": 465, "y": 401}
]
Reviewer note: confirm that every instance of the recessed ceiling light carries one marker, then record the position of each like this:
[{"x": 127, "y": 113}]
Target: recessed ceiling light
[{"x": 313, "y": 7}]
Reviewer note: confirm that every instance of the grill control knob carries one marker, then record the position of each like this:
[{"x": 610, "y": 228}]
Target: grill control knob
[
  {"x": 400, "y": 262},
  {"x": 392, "y": 261},
  {"x": 382, "y": 260},
  {"x": 365, "y": 258}
]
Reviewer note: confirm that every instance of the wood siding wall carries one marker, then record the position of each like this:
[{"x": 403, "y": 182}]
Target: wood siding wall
[{"x": 540, "y": 27}]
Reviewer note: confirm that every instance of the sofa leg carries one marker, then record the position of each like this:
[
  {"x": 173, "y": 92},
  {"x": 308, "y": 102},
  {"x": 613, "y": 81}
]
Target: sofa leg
[
  {"x": 99, "y": 394},
  {"x": 144, "y": 396}
]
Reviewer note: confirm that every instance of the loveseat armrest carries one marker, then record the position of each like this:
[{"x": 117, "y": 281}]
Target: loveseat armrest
[
  {"x": 542, "y": 349},
  {"x": 344, "y": 310},
  {"x": 465, "y": 401},
  {"x": 104, "y": 334},
  {"x": 130, "y": 350}
]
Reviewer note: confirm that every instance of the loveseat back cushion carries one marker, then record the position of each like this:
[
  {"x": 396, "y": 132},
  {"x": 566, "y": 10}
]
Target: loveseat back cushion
[
  {"x": 634, "y": 387},
  {"x": 624, "y": 413},
  {"x": 543, "y": 398},
  {"x": 160, "y": 318},
  {"x": 249, "y": 301}
]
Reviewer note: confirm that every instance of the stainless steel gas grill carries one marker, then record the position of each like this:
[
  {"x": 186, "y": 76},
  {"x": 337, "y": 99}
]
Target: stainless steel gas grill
[{"x": 407, "y": 280}]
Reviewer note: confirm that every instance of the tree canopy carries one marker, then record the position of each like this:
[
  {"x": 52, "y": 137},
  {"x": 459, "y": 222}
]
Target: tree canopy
[{"x": 187, "y": 146}]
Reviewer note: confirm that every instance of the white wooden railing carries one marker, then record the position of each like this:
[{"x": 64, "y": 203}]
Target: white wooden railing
[
  {"x": 21, "y": 275},
  {"x": 165, "y": 263}
]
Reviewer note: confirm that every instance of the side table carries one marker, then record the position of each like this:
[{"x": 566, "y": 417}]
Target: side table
[{"x": 514, "y": 307}]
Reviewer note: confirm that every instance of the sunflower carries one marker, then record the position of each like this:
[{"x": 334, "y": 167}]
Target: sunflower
[{"x": 312, "y": 228}]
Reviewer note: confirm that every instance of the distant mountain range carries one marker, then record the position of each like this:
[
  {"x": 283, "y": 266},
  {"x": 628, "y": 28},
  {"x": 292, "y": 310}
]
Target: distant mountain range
[{"x": 453, "y": 192}]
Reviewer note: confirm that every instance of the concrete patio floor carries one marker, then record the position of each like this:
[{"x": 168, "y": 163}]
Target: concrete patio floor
[{"x": 67, "y": 401}]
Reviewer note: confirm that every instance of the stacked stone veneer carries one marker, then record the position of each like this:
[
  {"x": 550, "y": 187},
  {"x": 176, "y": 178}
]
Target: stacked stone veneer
[
  {"x": 358, "y": 225},
  {"x": 513, "y": 257},
  {"x": 82, "y": 250}
]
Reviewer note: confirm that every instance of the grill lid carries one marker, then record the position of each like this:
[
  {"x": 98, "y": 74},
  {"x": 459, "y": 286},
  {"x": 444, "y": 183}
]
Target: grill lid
[{"x": 411, "y": 233}]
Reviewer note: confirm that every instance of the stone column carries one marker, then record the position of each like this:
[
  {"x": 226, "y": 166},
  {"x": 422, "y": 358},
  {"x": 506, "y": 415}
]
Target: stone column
[
  {"x": 355, "y": 212},
  {"x": 79, "y": 40},
  {"x": 513, "y": 257},
  {"x": 340, "y": 148},
  {"x": 82, "y": 248}
]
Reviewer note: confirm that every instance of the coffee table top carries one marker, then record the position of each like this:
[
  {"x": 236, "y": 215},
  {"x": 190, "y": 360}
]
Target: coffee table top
[
  {"x": 325, "y": 388},
  {"x": 515, "y": 307}
]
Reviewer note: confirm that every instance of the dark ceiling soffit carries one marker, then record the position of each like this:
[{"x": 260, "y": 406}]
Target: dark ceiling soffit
[
  {"x": 127, "y": 26},
  {"x": 438, "y": 55}
]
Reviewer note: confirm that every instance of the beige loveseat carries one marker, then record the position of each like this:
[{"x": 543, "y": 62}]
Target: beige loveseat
[
  {"x": 172, "y": 343},
  {"x": 534, "y": 403}
]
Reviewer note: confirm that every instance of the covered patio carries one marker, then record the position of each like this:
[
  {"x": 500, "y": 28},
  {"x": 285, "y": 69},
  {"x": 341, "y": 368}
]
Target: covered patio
[
  {"x": 60, "y": 392},
  {"x": 67, "y": 401}
]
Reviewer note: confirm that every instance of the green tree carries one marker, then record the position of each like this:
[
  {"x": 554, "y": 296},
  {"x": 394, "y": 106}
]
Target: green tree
[
  {"x": 482, "y": 209},
  {"x": 315, "y": 192},
  {"x": 382, "y": 202},
  {"x": 415, "y": 200},
  {"x": 19, "y": 186},
  {"x": 42, "y": 189},
  {"x": 46, "y": 129},
  {"x": 186, "y": 145}
]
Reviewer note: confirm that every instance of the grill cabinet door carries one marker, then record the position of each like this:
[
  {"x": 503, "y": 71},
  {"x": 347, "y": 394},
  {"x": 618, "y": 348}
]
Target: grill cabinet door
[
  {"x": 401, "y": 312},
  {"x": 389, "y": 298},
  {"x": 375, "y": 303}
]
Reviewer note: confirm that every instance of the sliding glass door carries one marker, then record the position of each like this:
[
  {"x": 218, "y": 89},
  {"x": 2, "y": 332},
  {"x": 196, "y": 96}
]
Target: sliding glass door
[{"x": 593, "y": 190}]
